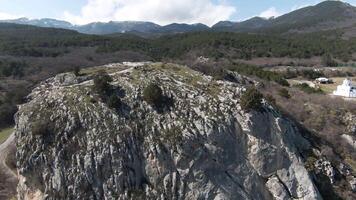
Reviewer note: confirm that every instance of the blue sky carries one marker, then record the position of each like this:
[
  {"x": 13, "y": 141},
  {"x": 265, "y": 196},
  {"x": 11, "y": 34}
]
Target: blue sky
[{"x": 159, "y": 11}]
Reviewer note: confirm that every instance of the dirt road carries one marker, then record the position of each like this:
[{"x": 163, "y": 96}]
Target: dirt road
[{"x": 8, "y": 178}]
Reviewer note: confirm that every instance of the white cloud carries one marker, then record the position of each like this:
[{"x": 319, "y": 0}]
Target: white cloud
[
  {"x": 270, "y": 12},
  {"x": 159, "y": 11},
  {"x": 8, "y": 16}
]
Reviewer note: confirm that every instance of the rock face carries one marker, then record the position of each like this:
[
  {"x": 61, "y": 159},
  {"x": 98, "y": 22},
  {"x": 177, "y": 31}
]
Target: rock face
[{"x": 71, "y": 145}]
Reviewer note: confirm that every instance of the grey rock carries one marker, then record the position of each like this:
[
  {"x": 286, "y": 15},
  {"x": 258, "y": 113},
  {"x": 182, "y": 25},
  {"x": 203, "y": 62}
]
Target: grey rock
[
  {"x": 65, "y": 79},
  {"x": 325, "y": 167},
  {"x": 204, "y": 147},
  {"x": 352, "y": 183}
]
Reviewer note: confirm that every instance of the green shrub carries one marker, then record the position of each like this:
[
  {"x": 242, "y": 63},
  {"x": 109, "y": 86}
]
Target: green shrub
[
  {"x": 307, "y": 89},
  {"x": 311, "y": 74},
  {"x": 251, "y": 99},
  {"x": 76, "y": 70},
  {"x": 251, "y": 70},
  {"x": 114, "y": 101},
  {"x": 281, "y": 81},
  {"x": 309, "y": 163},
  {"x": 42, "y": 127},
  {"x": 284, "y": 93},
  {"x": 271, "y": 100},
  {"x": 153, "y": 94},
  {"x": 102, "y": 84},
  {"x": 329, "y": 61}
]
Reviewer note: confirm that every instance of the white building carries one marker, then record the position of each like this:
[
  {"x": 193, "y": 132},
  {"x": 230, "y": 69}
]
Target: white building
[{"x": 346, "y": 89}]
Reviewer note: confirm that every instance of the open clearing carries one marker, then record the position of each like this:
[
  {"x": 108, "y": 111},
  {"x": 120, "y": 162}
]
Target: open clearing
[
  {"x": 5, "y": 133},
  {"x": 329, "y": 88}
]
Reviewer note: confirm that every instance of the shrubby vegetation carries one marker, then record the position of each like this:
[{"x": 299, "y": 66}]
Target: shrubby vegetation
[
  {"x": 105, "y": 90},
  {"x": 307, "y": 89},
  {"x": 12, "y": 68},
  {"x": 322, "y": 117},
  {"x": 114, "y": 101},
  {"x": 8, "y": 105},
  {"x": 284, "y": 93},
  {"x": 153, "y": 94},
  {"x": 251, "y": 70},
  {"x": 305, "y": 73},
  {"x": 42, "y": 126},
  {"x": 102, "y": 84},
  {"x": 251, "y": 99},
  {"x": 328, "y": 61},
  {"x": 21, "y": 40},
  {"x": 238, "y": 45}
]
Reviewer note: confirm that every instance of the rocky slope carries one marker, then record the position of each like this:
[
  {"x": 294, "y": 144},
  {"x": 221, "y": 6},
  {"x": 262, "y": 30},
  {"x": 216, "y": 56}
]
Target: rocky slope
[{"x": 71, "y": 145}]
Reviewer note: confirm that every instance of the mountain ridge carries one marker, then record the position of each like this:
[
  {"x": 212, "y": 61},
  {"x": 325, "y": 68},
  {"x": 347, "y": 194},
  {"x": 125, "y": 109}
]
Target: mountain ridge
[{"x": 307, "y": 19}]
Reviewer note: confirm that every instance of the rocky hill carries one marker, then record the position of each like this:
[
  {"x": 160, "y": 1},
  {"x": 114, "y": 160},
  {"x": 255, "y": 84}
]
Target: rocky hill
[{"x": 199, "y": 144}]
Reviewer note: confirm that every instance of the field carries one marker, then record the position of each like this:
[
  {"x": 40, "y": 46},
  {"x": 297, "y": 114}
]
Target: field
[
  {"x": 5, "y": 133},
  {"x": 326, "y": 88},
  {"x": 329, "y": 88}
]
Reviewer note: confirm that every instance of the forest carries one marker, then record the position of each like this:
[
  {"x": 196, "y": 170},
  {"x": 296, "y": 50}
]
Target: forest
[{"x": 30, "y": 54}]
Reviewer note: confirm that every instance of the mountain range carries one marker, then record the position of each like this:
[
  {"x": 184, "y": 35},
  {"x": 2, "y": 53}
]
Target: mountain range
[{"x": 323, "y": 16}]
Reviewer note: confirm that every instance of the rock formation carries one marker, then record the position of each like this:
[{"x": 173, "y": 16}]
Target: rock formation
[{"x": 71, "y": 145}]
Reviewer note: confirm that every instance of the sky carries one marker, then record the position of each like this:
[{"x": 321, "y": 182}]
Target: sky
[{"x": 159, "y": 11}]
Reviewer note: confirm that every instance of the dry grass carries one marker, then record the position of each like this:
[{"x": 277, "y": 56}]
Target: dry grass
[
  {"x": 320, "y": 113},
  {"x": 329, "y": 88},
  {"x": 5, "y": 133}
]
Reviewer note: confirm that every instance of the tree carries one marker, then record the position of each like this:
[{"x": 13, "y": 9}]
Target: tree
[
  {"x": 153, "y": 94},
  {"x": 102, "y": 84},
  {"x": 251, "y": 99},
  {"x": 76, "y": 70},
  {"x": 114, "y": 101},
  {"x": 329, "y": 61}
]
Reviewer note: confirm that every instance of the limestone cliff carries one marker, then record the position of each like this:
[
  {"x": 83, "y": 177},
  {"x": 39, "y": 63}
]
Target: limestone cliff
[{"x": 71, "y": 145}]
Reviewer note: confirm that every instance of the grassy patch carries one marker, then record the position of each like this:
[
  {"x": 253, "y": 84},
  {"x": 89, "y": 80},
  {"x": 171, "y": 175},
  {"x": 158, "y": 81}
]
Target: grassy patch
[
  {"x": 351, "y": 162},
  {"x": 329, "y": 88},
  {"x": 5, "y": 133}
]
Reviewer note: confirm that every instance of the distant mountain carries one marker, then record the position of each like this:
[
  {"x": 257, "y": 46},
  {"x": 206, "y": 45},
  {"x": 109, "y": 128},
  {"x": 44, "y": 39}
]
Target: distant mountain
[
  {"x": 183, "y": 28},
  {"x": 102, "y": 28},
  {"x": 248, "y": 25},
  {"x": 45, "y": 22},
  {"x": 323, "y": 16},
  {"x": 118, "y": 27}
]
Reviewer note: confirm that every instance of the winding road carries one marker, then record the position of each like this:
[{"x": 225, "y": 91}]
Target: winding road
[{"x": 8, "y": 178}]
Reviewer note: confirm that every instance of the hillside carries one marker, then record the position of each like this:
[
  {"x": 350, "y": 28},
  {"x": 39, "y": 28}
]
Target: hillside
[
  {"x": 29, "y": 54},
  {"x": 249, "y": 25},
  {"x": 327, "y": 15},
  {"x": 195, "y": 139},
  {"x": 194, "y": 143},
  {"x": 324, "y": 16}
]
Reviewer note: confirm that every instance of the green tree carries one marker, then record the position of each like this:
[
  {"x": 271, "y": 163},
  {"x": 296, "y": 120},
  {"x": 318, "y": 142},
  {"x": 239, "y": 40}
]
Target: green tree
[
  {"x": 76, "y": 70},
  {"x": 153, "y": 94},
  {"x": 114, "y": 101},
  {"x": 102, "y": 84},
  {"x": 251, "y": 99},
  {"x": 328, "y": 61}
]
